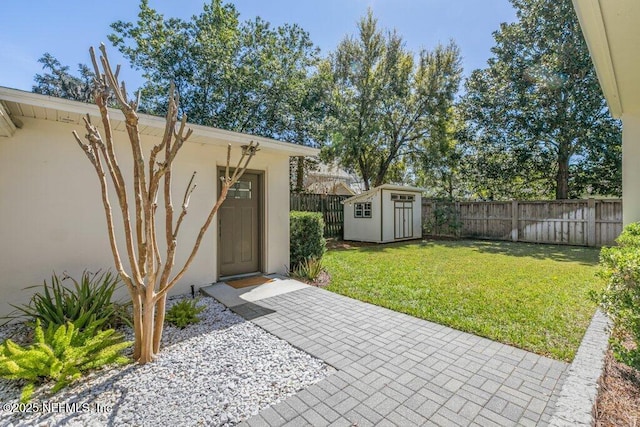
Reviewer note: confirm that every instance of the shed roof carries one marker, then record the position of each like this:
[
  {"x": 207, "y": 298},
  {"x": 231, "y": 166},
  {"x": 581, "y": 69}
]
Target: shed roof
[
  {"x": 368, "y": 195},
  {"x": 18, "y": 103}
]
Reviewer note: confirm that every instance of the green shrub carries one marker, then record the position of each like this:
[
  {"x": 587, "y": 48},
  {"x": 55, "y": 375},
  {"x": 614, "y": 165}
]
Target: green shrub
[
  {"x": 184, "y": 313},
  {"x": 444, "y": 220},
  {"x": 308, "y": 269},
  {"x": 88, "y": 302},
  {"x": 307, "y": 236},
  {"x": 620, "y": 267},
  {"x": 61, "y": 354}
]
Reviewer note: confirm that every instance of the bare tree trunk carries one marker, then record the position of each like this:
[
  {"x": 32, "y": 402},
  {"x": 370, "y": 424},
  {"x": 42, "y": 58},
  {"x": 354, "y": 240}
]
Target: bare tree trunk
[
  {"x": 137, "y": 324},
  {"x": 562, "y": 175},
  {"x": 148, "y": 311},
  {"x": 149, "y": 279},
  {"x": 159, "y": 323},
  {"x": 364, "y": 174},
  {"x": 300, "y": 174}
]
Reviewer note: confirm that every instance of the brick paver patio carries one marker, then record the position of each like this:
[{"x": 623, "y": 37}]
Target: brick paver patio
[{"x": 394, "y": 369}]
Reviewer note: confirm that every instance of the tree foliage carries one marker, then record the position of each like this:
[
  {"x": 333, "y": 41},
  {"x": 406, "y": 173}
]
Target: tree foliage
[
  {"x": 241, "y": 76},
  {"x": 440, "y": 168},
  {"x": 386, "y": 102},
  {"x": 59, "y": 82},
  {"x": 540, "y": 125}
]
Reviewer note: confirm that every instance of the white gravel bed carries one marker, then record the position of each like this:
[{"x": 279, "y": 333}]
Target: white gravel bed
[{"x": 220, "y": 371}]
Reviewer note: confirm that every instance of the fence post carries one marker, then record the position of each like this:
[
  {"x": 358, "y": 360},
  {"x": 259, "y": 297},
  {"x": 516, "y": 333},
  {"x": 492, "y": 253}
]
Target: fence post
[
  {"x": 514, "y": 221},
  {"x": 591, "y": 222},
  {"x": 458, "y": 221}
]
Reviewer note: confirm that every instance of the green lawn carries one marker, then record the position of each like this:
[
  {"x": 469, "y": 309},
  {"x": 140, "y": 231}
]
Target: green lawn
[{"x": 531, "y": 296}]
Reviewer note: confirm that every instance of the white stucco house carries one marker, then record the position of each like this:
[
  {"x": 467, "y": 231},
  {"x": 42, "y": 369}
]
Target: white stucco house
[
  {"x": 386, "y": 213},
  {"x": 612, "y": 32},
  {"x": 51, "y": 213}
]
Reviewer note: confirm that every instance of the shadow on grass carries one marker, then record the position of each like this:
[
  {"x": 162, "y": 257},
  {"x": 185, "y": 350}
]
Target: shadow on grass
[{"x": 562, "y": 253}]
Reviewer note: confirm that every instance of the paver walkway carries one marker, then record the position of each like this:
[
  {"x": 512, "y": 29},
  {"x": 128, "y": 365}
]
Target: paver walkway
[{"x": 394, "y": 369}]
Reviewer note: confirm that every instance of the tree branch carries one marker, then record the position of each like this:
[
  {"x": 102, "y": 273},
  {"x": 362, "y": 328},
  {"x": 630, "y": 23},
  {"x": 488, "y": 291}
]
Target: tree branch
[
  {"x": 248, "y": 154},
  {"x": 93, "y": 157}
]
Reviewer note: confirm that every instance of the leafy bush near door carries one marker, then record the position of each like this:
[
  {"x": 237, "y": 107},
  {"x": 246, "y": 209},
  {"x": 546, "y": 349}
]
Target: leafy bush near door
[
  {"x": 306, "y": 237},
  {"x": 620, "y": 267}
]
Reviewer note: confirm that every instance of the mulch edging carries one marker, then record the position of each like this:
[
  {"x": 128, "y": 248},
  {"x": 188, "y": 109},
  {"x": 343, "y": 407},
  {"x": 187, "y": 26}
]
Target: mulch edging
[{"x": 618, "y": 401}]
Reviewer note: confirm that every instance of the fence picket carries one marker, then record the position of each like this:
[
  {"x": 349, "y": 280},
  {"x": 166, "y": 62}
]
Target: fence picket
[
  {"x": 574, "y": 222},
  {"x": 329, "y": 205}
]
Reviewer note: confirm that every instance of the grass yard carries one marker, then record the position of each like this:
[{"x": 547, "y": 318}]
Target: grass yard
[{"x": 532, "y": 296}]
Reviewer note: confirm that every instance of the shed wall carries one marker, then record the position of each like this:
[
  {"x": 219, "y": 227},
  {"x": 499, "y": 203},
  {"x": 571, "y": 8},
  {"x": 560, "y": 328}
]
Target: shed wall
[
  {"x": 363, "y": 229},
  {"x": 380, "y": 227},
  {"x": 388, "y": 217}
]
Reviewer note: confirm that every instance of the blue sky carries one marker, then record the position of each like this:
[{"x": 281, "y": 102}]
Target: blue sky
[{"x": 67, "y": 28}]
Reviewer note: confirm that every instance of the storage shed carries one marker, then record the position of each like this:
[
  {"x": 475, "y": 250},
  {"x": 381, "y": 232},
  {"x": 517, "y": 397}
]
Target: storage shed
[{"x": 384, "y": 214}]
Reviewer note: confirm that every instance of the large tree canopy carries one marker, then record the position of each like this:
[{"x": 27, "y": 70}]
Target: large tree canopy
[
  {"x": 386, "y": 103},
  {"x": 59, "y": 82},
  {"x": 540, "y": 125},
  {"x": 440, "y": 168},
  {"x": 242, "y": 76}
]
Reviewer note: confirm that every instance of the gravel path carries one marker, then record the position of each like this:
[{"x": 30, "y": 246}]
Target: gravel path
[{"x": 217, "y": 372}]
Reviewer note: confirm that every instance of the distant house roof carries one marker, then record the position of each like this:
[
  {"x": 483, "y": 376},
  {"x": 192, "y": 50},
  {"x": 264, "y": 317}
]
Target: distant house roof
[
  {"x": 326, "y": 177},
  {"x": 368, "y": 195},
  {"x": 331, "y": 170},
  {"x": 32, "y": 105},
  {"x": 339, "y": 188}
]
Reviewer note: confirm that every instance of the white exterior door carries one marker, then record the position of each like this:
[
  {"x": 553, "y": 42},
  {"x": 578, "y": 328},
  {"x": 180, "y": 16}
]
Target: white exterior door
[{"x": 403, "y": 220}]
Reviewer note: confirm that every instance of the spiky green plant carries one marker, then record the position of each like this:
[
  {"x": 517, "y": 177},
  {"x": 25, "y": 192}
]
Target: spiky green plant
[
  {"x": 184, "y": 313},
  {"x": 89, "y": 301},
  {"x": 61, "y": 354},
  {"x": 307, "y": 269}
]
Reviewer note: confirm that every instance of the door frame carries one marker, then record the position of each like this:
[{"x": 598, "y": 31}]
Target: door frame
[
  {"x": 407, "y": 227},
  {"x": 261, "y": 220}
]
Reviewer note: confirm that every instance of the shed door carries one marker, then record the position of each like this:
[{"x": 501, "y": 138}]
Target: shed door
[
  {"x": 403, "y": 220},
  {"x": 239, "y": 241}
]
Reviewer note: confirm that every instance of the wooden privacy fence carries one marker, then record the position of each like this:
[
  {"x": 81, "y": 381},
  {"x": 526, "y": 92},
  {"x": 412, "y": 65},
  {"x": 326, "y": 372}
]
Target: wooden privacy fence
[
  {"x": 329, "y": 205},
  {"x": 572, "y": 222}
]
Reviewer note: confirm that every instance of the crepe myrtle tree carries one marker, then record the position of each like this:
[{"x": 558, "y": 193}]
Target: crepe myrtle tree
[{"x": 148, "y": 275}]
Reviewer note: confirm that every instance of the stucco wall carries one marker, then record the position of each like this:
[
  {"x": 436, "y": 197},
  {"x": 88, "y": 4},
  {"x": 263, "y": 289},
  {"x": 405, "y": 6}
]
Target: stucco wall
[
  {"x": 630, "y": 169},
  {"x": 52, "y": 219}
]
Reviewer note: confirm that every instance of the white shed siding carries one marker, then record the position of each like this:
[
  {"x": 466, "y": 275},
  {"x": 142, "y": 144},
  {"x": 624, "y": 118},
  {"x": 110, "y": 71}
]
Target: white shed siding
[
  {"x": 380, "y": 228},
  {"x": 363, "y": 229},
  {"x": 388, "y": 215}
]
